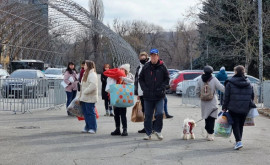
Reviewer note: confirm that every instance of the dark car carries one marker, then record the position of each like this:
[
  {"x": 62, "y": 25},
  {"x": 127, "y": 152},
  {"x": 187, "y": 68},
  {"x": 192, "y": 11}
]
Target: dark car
[
  {"x": 173, "y": 71},
  {"x": 25, "y": 83}
]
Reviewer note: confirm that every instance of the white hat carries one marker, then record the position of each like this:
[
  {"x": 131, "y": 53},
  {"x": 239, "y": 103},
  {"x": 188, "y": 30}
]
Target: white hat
[
  {"x": 126, "y": 67},
  {"x": 222, "y": 68}
]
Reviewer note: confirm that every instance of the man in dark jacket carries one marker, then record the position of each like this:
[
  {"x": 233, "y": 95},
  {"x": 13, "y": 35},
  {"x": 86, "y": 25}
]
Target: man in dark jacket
[
  {"x": 239, "y": 98},
  {"x": 153, "y": 79}
]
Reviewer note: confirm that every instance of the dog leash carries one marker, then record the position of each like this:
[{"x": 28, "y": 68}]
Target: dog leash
[{"x": 209, "y": 115}]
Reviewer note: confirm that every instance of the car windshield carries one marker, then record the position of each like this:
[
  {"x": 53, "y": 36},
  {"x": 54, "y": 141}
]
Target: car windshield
[
  {"x": 53, "y": 71},
  {"x": 24, "y": 74},
  {"x": 191, "y": 76}
]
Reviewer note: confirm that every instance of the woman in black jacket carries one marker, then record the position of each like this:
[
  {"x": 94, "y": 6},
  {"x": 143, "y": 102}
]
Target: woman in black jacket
[
  {"x": 104, "y": 94},
  {"x": 239, "y": 98}
]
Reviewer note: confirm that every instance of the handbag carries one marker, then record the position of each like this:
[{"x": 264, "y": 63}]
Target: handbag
[
  {"x": 122, "y": 95},
  {"x": 137, "y": 114}
]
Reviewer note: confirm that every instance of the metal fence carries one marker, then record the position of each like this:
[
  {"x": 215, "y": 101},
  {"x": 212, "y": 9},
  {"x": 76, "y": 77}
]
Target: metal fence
[
  {"x": 22, "y": 95},
  {"x": 266, "y": 94},
  {"x": 189, "y": 97}
]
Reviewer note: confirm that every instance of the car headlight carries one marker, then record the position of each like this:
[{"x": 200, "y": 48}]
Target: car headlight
[{"x": 180, "y": 85}]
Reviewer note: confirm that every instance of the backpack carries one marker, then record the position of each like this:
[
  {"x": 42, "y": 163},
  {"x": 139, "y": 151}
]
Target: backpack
[{"x": 206, "y": 92}]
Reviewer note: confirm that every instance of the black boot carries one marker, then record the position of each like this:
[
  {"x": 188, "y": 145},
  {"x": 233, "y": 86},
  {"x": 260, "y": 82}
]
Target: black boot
[
  {"x": 142, "y": 131},
  {"x": 116, "y": 132},
  {"x": 124, "y": 132}
]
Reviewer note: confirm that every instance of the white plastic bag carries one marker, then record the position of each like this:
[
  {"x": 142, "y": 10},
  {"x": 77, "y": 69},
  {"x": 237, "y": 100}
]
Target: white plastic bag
[
  {"x": 253, "y": 113},
  {"x": 110, "y": 81},
  {"x": 75, "y": 109}
]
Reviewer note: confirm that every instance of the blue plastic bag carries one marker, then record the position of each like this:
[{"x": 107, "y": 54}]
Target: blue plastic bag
[
  {"x": 122, "y": 95},
  {"x": 222, "y": 127}
]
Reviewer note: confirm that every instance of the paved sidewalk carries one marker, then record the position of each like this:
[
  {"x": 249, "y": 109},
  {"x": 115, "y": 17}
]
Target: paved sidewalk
[{"x": 52, "y": 138}]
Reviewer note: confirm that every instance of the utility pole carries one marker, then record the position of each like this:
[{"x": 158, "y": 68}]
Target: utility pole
[{"x": 260, "y": 48}]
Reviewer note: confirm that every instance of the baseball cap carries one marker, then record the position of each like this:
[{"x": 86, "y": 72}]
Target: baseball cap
[{"x": 154, "y": 51}]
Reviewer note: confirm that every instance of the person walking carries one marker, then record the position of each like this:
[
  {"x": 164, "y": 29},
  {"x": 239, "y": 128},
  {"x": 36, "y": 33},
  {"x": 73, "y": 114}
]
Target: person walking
[
  {"x": 105, "y": 95},
  {"x": 222, "y": 77},
  {"x": 143, "y": 57},
  {"x": 70, "y": 78},
  {"x": 209, "y": 108},
  {"x": 239, "y": 97},
  {"x": 120, "y": 112},
  {"x": 153, "y": 80},
  {"x": 89, "y": 96}
]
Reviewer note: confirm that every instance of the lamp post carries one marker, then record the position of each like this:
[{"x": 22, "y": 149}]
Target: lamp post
[{"x": 260, "y": 48}]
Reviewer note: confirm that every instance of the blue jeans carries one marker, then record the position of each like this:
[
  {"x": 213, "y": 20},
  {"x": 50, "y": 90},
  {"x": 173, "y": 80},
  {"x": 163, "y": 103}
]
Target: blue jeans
[
  {"x": 165, "y": 106},
  {"x": 89, "y": 116},
  {"x": 149, "y": 108},
  {"x": 70, "y": 97}
]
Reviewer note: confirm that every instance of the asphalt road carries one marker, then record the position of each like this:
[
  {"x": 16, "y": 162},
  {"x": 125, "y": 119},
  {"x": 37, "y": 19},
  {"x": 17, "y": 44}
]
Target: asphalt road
[{"x": 49, "y": 137}]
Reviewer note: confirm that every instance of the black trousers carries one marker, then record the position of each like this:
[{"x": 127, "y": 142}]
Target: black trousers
[
  {"x": 142, "y": 102},
  {"x": 107, "y": 104},
  {"x": 210, "y": 124},
  {"x": 238, "y": 124},
  {"x": 120, "y": 113}
]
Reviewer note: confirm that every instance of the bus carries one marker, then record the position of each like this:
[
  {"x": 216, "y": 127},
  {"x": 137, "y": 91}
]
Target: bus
[{"x": 27, "y": 64}]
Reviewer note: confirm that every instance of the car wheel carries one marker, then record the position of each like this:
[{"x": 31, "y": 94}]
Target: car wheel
[{"x": 191, "y": 92}]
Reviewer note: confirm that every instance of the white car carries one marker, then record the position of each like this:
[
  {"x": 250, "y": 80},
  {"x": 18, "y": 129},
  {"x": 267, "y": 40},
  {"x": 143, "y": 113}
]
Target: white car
[
  {"x": 54, "y": 73},
  {"x": 187, "y": 87}
]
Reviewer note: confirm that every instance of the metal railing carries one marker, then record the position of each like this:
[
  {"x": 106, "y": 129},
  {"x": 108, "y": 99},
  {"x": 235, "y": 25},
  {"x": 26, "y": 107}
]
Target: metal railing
[{"x": 22, "y": 95}]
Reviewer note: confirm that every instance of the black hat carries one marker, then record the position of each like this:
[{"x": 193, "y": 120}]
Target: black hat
[{"x": 208, "y": 69}]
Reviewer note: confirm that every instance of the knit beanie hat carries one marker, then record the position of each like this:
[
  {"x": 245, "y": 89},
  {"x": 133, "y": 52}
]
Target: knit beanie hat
[
  {"x": 222, "y": 68},
  {"x": 208, "y": 69},
  {"x": 126, "y": 67}
]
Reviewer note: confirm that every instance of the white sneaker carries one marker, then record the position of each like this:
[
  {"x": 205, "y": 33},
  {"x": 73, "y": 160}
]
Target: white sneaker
[
  {"x": 147, "y": 137},
  {"x": 210, "y": 137},
  {"x": 159, "y": 135},
  {"x": 84, "y": 131},
  {"x": 91, "y": 131}
]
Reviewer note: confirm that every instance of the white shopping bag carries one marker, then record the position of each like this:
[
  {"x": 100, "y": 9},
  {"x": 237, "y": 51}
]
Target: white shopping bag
[
  {"x": 110, "y": 81},
  {"x": 64, "y": 84}
]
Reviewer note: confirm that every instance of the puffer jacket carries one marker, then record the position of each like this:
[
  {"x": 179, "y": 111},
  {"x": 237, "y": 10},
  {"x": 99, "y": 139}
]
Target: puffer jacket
[
  {"x": 89, "y": 89},
  {"x": 239, "y": 95},
  {"x": 153, "y": 79}
]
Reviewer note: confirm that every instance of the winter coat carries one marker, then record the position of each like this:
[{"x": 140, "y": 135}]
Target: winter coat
[
  {"x": 222, "y": 76},
  {"x": 209, "y": 108},
  {"x": 81, "y": 74},
  {"x": 138, "y": 89},
  {"x": 89, "y": 89},
  {"x": 239, "y": 95},
  {"x": 72, "y": 86},
  {"x": 104, "y": 94},
  {"x": 154, "y": 78}
]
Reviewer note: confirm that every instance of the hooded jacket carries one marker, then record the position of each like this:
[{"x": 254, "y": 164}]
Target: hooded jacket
[
  {"x": 239, "y": 95},
  {"x": 153, "y": 80},
  {"x": 138, "y": 89},
  {"x": 222, "y": 76}
]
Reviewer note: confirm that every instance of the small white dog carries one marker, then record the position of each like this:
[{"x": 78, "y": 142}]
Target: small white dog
[{"x": 188, "y": 126}]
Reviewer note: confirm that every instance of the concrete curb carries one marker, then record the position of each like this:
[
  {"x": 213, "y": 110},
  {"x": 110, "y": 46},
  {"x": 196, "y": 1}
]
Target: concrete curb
[{"x": 265, "y": 112}]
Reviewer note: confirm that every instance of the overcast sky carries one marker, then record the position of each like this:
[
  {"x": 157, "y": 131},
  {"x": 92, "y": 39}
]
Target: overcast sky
[{"x": 161, "y": 12}]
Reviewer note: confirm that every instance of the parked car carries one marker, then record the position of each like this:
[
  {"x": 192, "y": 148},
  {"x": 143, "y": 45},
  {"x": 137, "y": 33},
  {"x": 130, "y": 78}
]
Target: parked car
[
  {"x": 3, "y": 73},
  {"x": 54, "y": 73},
  {"x": 173, "y": 71},
  {"x": 25, "y": 82},
  {"x": 182, "y": 77}
]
